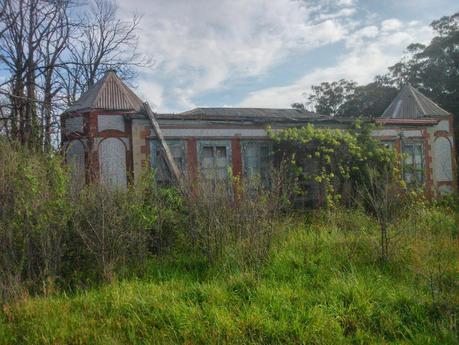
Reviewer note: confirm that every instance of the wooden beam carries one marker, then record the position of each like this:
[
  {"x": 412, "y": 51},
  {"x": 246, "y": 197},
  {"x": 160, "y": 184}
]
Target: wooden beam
[{"x": 168, "y": 155}]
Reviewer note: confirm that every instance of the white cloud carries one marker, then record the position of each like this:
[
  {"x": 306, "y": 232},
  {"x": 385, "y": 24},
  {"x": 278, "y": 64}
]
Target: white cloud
[
  {"x": 370, "y": 51},
  {"x": 391, "y": 24},
  {"x": 151, "y": 92},
  {"x": 345, "y": 2},
  {"x": 199, "y": 45}
]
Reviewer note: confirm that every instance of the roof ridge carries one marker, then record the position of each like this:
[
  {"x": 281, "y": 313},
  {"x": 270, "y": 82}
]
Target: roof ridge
[
  {"x": 410, "y": 103},
  {"x": 418, "y": 102},
  {"x": 109, "y": 93},
  {"x": 429, "y": 100}
]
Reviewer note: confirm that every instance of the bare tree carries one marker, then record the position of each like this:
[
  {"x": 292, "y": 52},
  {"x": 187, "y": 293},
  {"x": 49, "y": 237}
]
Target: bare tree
[
  {"x": 28, "y": 26},
  {"x": 382, "y": 195},
  {"x": 52, "y": 51},
  {"x": 102, "y": 41}
]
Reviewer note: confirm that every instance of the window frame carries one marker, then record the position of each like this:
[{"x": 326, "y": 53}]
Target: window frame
[
  {"x": 265, "y": 178},
  {"x": 413, "y": 167},
  {"x": 155, "y": 147},
  {"x": 214, "y": 144}
]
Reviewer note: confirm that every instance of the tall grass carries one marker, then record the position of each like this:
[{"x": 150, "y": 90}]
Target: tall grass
[
  {"x": 215, "y": 263},
  {"x": 318, "y": 286}
]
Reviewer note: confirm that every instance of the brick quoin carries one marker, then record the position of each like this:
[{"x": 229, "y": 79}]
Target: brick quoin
[
  {"x": 236, "y": 157},
  {"x": 192, "y": 158}
]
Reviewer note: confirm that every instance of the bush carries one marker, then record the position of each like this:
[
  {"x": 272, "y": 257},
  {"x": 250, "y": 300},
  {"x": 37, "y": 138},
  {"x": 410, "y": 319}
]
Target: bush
[
  {"x": 108, "y": 226},
  {"x": 49, "y": 234},
  {"x": 235, "y": 218},
  {"x": 34, "y": 215}
]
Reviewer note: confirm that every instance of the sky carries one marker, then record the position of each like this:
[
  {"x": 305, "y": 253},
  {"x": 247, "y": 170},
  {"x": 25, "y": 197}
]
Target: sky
[{"x": 268, "y": 53}]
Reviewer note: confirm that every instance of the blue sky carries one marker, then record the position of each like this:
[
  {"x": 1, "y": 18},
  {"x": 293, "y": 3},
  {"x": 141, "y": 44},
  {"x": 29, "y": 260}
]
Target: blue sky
[{"x": 267, "y": 53}]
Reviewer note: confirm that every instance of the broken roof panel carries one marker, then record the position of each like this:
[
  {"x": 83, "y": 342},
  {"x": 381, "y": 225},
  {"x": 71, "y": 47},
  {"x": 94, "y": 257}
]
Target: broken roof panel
[
  {"x": 411, "y": 104},
  {"x": 109, "y": 93}
]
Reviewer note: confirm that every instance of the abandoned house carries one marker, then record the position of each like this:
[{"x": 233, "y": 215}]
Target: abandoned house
[{"x": 109, "y": 134}]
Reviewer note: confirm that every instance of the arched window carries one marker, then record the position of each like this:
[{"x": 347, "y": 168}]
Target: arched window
[
  {"x": 443, "y": 161},
  {"x": 112, "y": 162}
]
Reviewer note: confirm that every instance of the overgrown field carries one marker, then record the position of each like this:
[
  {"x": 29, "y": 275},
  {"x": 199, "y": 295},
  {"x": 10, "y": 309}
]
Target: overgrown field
[
  {"x": 322, "y": 283},
  {"x": 223, "y": 262}
]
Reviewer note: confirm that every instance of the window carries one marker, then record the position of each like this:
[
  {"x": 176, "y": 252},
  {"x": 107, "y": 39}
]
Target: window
[
  {"x": 413, "y": 164},
  {"x": 112, "y": 160},
  {"x": 257, "y": 160},
  {"x": 388, "y": 144},
  {"x": 178, "y": 151},
  {"x": 214, "y": 159}
]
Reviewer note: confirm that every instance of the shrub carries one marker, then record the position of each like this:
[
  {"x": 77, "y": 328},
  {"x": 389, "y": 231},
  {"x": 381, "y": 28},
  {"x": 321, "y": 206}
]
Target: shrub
[
  {"x": 107, "y": 223},
  {"x": 34, "y": 212},
  {"x": 235, "y": 218}
]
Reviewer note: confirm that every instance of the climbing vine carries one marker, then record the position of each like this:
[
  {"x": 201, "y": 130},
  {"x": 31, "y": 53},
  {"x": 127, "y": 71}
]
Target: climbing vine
[{"x": 337, "y": 160}]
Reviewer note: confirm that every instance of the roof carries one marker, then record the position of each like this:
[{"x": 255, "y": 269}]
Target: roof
[
  {"x": 242, "y": 114},
  {"x": 412, "y": 104},
  {"x": 109, "y": 93}
]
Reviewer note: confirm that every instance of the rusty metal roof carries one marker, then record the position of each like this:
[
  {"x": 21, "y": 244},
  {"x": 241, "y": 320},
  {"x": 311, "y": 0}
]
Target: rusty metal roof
[
  {"x": 109, "y": 93},
  {"x": 254, "y": 114},
  {"x": 411, "y": 104}
]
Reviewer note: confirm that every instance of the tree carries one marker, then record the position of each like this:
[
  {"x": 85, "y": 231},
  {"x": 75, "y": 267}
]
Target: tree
[
  {"x": 26, "y": 27},
  {"x": 102, "y": 41},
  {"x": 328, "y": 97},
  {"x": 434, "y": 68},
  {"x": 383, "y": 195},
  {"x": 369, "y": 100},
  {"x": 51, "y": 54},
  {"x": 347, "y": 99}
]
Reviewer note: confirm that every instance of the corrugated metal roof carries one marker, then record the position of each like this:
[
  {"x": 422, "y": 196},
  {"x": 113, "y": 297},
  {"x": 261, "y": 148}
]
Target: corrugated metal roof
[
  {"x": 411, "y": 104},
  {"x": 109, "y": 93},
  {"x": 254, "y": 114}
]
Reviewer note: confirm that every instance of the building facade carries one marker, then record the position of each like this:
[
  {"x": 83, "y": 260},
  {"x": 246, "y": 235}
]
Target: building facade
[{"x": 108, "y": 137}]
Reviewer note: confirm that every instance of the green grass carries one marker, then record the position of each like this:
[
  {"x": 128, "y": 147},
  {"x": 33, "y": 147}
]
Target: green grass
[{"x": 322, "y": 284}]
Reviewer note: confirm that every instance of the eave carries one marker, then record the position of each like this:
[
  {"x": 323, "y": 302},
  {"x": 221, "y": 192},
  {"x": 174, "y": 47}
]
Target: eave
[{"x": 412, "y": 122}]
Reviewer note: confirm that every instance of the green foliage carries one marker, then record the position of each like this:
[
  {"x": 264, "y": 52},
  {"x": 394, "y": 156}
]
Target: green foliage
[
  {"x": 270, "y": 279},
  {"x": 34, "y": 212},
  {"x": 432, "y": 68},
  {"x": 51, "y": 237},
  {"x": 345, "y": 98},
  {"x": 328, "y": 98},
  {"x": 369, "y": 100},
  {"x": 319, "y": 286},
  {"x": 234, "y": 218},
  {"x": 332, "y": 157}
]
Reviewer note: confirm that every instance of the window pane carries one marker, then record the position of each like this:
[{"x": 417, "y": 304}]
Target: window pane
[
  {"x": 158, "y": 160},
  {"x": 265, "y": 156},
  {"x": 418, "y": 155},
  {"x": 257, "y": 160},
  {"x": 221, "y": 162},
  {"x": 220, "y": 153},
  {"x": 251, "y": 160},
  {"x": 207, "y": 157},
  {"x": 419, "y": 177},
  {"x": 413, "y": 163},
  {"x": 408, "y": 153},
  {"x": 214, "y": 160}
]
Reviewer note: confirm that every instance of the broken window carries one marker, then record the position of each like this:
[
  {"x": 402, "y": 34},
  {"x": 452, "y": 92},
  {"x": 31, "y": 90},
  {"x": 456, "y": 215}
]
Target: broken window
[
  {"x": 256, "y": 160},
  {"x": 214, "y": 159},
  {"x": 413, "y": 164},
  {"x": 158, "y": 161}
]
